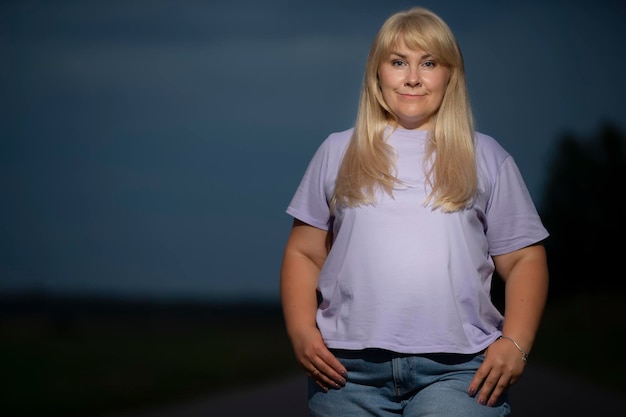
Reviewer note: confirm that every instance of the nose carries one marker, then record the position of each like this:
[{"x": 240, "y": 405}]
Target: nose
[{"x": 413, "y": 78}]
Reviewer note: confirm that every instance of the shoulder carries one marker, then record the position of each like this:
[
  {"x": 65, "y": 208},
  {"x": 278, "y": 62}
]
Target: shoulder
[
  {"x": 489, "y": 150},
  {"x": 488, "y": 145},
  {"x": 338, "y": 139},
  {"x": 330, "y": 152},
  {"x": 334, "y": 146}
]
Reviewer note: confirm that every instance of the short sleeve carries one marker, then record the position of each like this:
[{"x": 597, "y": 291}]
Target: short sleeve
[
  {"x": 310, "y": 203},
  {"x": 512, "y": 219}
]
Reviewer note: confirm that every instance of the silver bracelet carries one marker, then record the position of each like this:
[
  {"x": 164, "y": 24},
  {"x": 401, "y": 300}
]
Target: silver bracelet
[{"x": 524, "y": 354}]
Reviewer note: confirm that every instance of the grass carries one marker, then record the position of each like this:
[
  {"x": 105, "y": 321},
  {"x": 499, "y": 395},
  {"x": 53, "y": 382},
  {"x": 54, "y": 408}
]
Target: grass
[{"x": 90, "y": 359}]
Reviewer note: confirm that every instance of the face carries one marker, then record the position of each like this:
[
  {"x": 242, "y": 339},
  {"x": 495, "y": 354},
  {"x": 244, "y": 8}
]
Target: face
[{"x": 413, "y": 84}]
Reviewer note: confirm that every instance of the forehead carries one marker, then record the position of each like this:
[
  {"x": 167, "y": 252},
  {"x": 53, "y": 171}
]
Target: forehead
[
  {"x": 400, "y": 46},
  {"x": 401, "y": 49},
  {"x": 406, "y": 42}
]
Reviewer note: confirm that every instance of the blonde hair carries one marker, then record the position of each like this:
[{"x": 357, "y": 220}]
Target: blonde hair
[{"x": 369, "y": 162}]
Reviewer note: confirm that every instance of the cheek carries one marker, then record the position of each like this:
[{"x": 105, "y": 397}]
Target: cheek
[
  {"x": 386, "y": 88},
  {"x": 383, "y": 82},
  {"x": 389, "y": 79},
  {"x": 444, "y": 81},
  {"x": 388, "y": 93},
  {"x": 437, "y": 88}
]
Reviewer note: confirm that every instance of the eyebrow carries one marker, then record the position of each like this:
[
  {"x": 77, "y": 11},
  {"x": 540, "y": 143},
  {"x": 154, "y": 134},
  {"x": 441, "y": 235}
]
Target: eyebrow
[{"x": 403, "y": 56}]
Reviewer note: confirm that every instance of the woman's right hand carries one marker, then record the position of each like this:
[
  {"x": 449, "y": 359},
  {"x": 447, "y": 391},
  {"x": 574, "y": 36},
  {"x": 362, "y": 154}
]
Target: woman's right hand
[{"x": 317, "y": 361}]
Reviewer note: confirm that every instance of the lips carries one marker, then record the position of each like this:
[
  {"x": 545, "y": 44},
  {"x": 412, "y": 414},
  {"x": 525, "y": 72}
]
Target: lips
[{"x": 412, "y": 93}]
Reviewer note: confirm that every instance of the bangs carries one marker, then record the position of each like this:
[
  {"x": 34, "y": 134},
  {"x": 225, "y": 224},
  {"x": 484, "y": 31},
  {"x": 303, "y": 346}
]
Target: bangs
[
  {"x": 420, "y": 34},
  {"x": 415, "y": 39}
]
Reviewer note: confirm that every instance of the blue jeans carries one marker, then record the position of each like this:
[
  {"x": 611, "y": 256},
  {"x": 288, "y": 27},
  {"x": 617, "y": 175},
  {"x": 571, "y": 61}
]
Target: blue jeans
[{"x": 384, "y": 384}]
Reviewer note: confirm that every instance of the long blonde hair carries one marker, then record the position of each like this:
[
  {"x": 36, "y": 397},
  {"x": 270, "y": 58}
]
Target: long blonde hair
[{"x": 369, "y": 162}]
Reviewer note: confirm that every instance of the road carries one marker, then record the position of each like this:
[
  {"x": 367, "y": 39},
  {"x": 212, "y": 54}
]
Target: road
[{"x": 540, "y": 392}]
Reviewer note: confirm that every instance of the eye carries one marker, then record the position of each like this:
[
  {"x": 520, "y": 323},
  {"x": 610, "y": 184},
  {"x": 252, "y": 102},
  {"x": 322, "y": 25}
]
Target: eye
[
  {"x": 397, "y": 63},
  {"x": 429, "y": 64}
]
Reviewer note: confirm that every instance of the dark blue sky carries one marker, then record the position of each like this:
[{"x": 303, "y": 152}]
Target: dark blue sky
[{"x": 151, "y": 147}]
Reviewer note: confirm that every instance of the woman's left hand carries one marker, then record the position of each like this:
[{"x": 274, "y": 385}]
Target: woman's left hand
[{"x": 502, "y": 367}]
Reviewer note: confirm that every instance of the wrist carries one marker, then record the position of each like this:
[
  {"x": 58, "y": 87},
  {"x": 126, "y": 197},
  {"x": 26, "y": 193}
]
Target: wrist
[{"x": 522, "y": 351}]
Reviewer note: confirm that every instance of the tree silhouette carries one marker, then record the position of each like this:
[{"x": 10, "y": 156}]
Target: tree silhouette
[{"x": 583, "y": 209}]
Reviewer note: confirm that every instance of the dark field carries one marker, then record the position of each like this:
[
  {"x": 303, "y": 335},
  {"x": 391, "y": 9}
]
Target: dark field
[
  {"x": 81, "y": 357},
  {"x": 64, "y": 357}
]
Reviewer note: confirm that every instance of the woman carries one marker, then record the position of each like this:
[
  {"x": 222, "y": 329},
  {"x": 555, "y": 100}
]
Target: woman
[{"x": 399, "y": 225}]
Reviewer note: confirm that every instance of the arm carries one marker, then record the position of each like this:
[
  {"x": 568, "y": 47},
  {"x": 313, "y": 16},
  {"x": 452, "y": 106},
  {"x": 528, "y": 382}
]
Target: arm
[
  {"x": 525, "y": 273},
  {"x": 305, "y": 253}
]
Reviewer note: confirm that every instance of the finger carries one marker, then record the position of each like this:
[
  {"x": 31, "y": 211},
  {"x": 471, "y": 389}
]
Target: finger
[
  {"x": 331, "y": 370},
  {"x": 333, "y": 364},
  {"x": 497, "y": 392},
  {"x": 333, "y": 377},
  {"x": 312, "y": 371},
  {"x": 477, "y": 381},
  {"x": 318, "y": 378},
  {"x": 487, "y": 389},
  {"x": 326, "y": 381}
]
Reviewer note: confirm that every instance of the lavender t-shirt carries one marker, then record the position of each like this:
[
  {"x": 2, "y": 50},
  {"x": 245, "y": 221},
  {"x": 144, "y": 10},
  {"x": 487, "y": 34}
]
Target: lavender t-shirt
[{"x": 403, "y": 277}]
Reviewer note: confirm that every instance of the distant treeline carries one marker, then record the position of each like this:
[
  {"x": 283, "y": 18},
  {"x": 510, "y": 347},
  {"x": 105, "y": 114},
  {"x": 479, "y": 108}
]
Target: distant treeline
[
  {"x": 583, "y": 209},
  {"x": 127, "y": 307}
]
